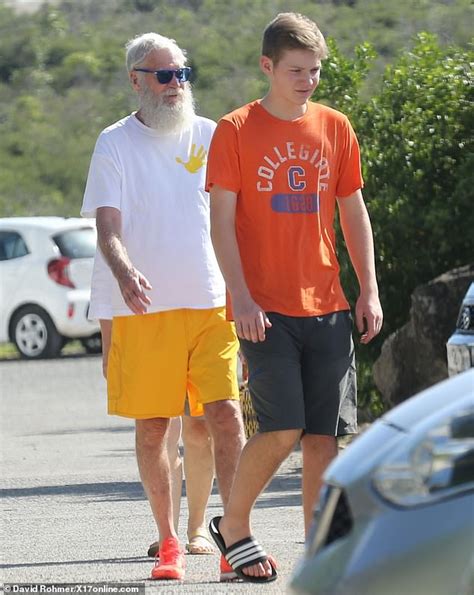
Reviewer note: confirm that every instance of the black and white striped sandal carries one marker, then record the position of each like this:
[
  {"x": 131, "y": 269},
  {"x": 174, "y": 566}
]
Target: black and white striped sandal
[{"x": 242, "y": 554}]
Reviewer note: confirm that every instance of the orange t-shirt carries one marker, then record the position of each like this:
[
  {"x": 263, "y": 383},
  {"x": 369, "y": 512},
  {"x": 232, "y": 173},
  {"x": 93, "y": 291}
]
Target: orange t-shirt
[{"x": 286, "y": 175}]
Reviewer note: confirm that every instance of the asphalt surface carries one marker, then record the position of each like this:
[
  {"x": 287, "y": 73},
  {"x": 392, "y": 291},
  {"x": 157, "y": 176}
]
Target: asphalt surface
[{"x": 73, "y": 509}]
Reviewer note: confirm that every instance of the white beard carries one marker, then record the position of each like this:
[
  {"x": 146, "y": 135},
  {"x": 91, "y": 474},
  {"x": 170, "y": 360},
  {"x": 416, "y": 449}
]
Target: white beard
[{"x": 164, "y": 117}]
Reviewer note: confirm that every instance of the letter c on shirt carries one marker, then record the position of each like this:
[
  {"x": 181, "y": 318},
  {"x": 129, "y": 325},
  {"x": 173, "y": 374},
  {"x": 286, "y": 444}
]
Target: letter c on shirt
[{"x": 295, "y": 173}]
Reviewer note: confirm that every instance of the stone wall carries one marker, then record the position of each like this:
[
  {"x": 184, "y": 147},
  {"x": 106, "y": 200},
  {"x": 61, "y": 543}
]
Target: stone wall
[{"x": 414, "y": 357}]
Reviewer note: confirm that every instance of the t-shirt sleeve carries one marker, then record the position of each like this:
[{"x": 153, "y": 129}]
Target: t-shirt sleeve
[
  {"x": 223, "y": 164},
  {"x": 350, "y": 173},
  {"x": 104, "y": 182}
]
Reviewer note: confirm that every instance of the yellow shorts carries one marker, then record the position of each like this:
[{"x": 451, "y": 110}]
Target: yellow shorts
[{"x": 156, "y": 359}]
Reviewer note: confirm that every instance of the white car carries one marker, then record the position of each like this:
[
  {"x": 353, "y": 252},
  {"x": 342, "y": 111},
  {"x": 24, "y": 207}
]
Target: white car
[{"x": 45, "y": 275}]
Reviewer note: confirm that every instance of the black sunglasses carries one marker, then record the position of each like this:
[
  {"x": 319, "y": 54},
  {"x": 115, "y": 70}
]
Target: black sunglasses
[{"x": 164, "y": 76}]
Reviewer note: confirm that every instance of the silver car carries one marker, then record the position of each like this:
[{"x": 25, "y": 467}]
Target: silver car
[
  {"x": 460, "y": 346},
  {"x": 397, "y": 507}
]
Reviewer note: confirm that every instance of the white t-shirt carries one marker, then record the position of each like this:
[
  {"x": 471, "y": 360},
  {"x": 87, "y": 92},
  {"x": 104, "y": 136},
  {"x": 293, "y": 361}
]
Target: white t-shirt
[
  {"x": 102, "y": 285},
  {"x": 157, "y": 182}
]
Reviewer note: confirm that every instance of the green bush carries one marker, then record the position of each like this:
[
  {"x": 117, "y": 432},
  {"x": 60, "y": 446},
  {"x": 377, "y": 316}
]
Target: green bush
[{"x": 416, "y": 136}]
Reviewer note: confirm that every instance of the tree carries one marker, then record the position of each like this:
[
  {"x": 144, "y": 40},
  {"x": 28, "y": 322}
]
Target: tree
[
  {"x": 415, "y": 134},
  {"x": 416, "y": 138}
]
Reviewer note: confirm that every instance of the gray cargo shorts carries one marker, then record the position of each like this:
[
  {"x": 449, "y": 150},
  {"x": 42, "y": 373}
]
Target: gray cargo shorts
[{"x": 303, "y": 375}]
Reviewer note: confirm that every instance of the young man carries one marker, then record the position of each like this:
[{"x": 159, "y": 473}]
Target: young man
[
  {"x": 169, "y": 334},
  {"x": 277, "y": 168}
]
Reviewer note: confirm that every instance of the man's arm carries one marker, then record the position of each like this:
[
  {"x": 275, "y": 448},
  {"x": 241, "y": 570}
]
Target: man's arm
[
  {"x": 250, "y": 319},
  {"x": 357, "y": 232},
  {"x": 131, "y": 282}
]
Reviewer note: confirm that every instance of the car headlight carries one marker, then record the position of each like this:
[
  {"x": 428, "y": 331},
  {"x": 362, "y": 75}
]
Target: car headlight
[
  {"x": 466, "y": 318},
  {"x": 438, "y": 464}
]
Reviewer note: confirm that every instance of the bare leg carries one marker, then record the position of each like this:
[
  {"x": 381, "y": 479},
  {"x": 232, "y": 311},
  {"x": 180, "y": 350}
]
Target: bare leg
[
  {"x": 176, "y": 470},
  {"x": 259, "y": 461},
  {"x": 154, "y": 467},
  {"x": 199, "y": 473},
  {"x": 318, "y": 452},
  {"x": 176, "y": 467},
  {"x": 147, "y": 428},
  {"x": 224, "y": 420}
]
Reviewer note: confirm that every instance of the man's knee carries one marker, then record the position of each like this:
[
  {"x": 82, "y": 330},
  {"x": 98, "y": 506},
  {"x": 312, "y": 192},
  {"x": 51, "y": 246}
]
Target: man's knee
[
  {"x": 284, "y": 440},
  {"x": 151, "y": 433},
  {"x": 224, "y": 415},
  {"x": 320, "y": 444}
]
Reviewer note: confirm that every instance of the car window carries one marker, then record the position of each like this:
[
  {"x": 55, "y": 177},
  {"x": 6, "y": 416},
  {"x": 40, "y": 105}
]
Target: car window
[
  {"x": 76, "y": 243},
  {"x": 12, "y": 245}
]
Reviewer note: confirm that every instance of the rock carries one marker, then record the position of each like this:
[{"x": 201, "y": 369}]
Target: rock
[{"x": 414, "y": 357}]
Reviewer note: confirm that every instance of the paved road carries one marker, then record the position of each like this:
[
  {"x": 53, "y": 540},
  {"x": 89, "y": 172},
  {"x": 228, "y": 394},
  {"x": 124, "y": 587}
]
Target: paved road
[{"x": 73, "y": 507}]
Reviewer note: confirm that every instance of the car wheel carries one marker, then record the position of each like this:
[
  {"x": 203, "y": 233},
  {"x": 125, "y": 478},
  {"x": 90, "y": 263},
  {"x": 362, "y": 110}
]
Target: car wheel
[
  {"x": 92, "y": 344},
  {"x": 34, "y": 334}
]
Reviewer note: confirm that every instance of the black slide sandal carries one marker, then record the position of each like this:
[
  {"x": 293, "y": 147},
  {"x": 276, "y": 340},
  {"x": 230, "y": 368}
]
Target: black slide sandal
[{"x": 242, "y": 554}]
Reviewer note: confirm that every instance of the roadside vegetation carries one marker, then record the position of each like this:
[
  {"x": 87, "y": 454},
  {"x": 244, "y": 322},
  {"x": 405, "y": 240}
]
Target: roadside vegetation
[{"x": 401, "y": 71}]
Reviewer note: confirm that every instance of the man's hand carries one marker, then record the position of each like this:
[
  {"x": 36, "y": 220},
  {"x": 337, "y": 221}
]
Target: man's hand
[
  {"x": 369, "y": 317},
  {"x": 131, "y": 282},
  {"x": 357, "y": 230},
  {"x": 250, "y": 320},
  {"x": 132, "y": 285}
]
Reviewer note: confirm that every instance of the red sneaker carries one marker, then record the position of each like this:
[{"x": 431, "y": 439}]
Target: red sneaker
[{"x": 170, "y": 564}]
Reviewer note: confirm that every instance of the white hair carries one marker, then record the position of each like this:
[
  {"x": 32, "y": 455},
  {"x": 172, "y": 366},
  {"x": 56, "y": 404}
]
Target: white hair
[{"x": 139, "y": 47}]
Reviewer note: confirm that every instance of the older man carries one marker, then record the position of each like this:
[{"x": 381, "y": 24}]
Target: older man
[{"x": 170, "y": 336}]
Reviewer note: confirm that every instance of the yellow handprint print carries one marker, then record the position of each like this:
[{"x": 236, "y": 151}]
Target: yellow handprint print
[{"x": 195, "y": 161}]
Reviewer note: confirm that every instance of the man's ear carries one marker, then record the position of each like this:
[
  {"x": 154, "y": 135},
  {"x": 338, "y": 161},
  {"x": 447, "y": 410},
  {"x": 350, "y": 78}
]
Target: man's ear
[
  {"x": 266, "y": 65},
  {"x": 133, "y": 77}
]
